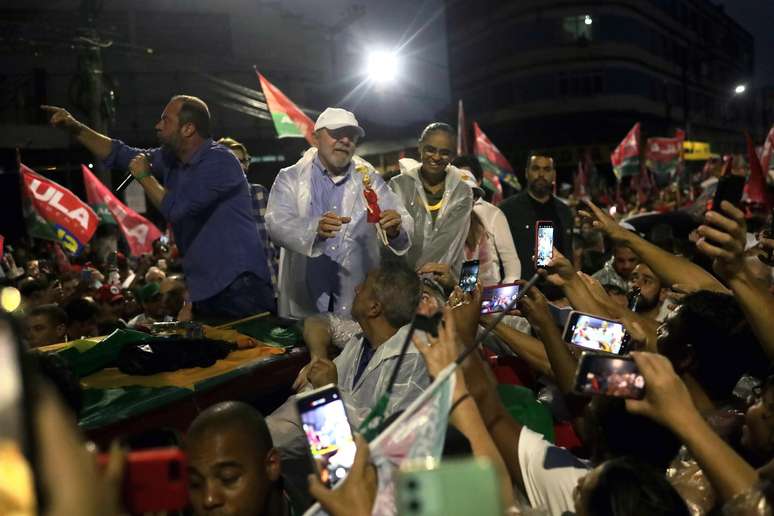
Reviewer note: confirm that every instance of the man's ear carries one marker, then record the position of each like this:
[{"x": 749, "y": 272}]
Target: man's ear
[
  {"x": 273, "y": 465},
  {"x": 375, "y": 309},
  {"x": 188, "y": 130},
  {"x": 316, "y": 139}
]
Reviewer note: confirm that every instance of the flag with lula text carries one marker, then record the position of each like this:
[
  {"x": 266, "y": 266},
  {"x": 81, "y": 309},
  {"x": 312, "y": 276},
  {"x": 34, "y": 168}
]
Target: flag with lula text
[
  {"x": 289, "y": 120},
  {"x": 138, "y": 231},
  {"x": 626, "y": 157},
  {"x": 662, "y": 158},
  {"x": 56, "y": 213}
]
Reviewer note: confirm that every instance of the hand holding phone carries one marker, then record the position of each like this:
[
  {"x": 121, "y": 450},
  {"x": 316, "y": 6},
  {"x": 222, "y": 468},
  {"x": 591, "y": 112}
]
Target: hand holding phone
[
  {"x": 469, "y": 275},
  {"x": 544, "y": 242},
  {"x": 730, "y": 188},
  {"x": 596, "y": 333},
  {"x": 328, "y": 433},
  {"x": 154, "y": 480},
  {"x": 607, "y": 375},
  {"x": 496, "y": 298}
]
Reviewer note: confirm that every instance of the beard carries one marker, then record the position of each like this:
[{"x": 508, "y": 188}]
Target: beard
[
  {"x": 540, "y": 187},
  {"x": 647, "y": 304}
]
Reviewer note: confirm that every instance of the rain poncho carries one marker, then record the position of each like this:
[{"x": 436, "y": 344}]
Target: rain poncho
[
  {"x": 444, "y": 240},
  {"x": 291, "y": 226}
]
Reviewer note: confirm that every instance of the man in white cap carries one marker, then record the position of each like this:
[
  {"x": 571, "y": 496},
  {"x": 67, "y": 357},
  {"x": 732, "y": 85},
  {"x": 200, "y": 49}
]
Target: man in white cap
[{"x": 317, "y": 213}]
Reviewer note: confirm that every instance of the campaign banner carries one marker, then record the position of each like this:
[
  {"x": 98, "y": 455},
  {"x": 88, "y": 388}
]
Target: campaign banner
[
  {"x": 138, "y": 231},
  {"x": 662, "y": 157},
  {"x": 56, "y": 213}
]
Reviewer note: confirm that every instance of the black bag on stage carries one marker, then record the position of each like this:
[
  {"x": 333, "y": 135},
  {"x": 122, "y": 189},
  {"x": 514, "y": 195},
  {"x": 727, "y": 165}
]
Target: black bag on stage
[{"x": 163, "y": 355}]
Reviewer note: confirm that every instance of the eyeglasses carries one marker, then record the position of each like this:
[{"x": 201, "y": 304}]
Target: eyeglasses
[{"x": 429, "y": 150}]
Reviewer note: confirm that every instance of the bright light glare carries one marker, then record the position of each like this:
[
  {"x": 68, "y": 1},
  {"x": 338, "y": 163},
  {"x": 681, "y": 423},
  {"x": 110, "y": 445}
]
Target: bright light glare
[
  {"x": 740, "y": 88},
  {"x": 382, "y": 66},
  {"x": 587, "y": 20},
  {"x": 10, "y": 299}
]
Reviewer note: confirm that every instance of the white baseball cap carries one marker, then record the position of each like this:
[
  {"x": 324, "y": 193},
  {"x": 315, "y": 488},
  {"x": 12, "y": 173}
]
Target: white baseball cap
[{"x": 336, "y": 118}]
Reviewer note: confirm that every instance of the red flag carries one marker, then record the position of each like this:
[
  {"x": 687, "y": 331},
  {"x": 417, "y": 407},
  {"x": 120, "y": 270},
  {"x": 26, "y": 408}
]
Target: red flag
[
  {"x": 756, "y": 184},
  {"x": 462, "y": 132},
  {"x": 483, "y": 147},
  {"x": 289, "y": 120},
  {"x": 768, "y": 148},
  {"x": 2, "y": 240},
  {"x": 73, "y": 221},
  {"x": 626, "y": 157},
  {"x": 138, "y": 231}
]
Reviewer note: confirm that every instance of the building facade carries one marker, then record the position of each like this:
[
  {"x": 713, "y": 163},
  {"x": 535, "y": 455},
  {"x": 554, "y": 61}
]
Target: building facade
[{"x": 571, "y": 74}]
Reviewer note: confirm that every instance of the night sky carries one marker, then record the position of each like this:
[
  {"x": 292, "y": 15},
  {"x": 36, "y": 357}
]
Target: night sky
[{"x": 757, "y": 17}]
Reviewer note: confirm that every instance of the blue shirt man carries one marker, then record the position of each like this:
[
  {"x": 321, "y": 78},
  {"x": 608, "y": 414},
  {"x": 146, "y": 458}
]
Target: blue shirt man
[{"x": 206, "y": 200}]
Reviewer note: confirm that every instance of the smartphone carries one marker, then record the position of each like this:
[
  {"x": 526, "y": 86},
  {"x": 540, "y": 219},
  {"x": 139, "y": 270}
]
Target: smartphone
[
  {"x": 730, "y": 188},
  {"x": 428, "y": 324},
  {"x": 496, "y": 298},
  {"x": 453, "y": 488},
  {"x": 328, "y": 433},
  {"x": 596, "y": 333},
  {"x": 469, "y": 275},
  {"x": 608, "y": 375},
  {"x": 155, "y": 480},
  {"x": 544, "y": 242},
  {"x": 19, "y": 489}
]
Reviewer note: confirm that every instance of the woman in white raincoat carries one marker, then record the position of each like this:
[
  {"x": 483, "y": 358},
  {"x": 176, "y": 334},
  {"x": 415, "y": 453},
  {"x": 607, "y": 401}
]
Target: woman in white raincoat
[{"x": 437, "y": 198}]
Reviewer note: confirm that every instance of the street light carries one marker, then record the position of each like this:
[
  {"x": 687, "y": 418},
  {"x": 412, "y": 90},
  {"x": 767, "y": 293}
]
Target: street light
[
  {"x": 739, "y": 89},
  {"x": 587, "y": 20},
  {"x": 382, "y": 66}
]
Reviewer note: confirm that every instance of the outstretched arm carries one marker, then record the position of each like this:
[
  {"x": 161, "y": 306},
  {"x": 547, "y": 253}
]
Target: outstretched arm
[
  {"x": 98, "y": 144},
  {"x": 723, "y": 239},
  {"x": 672, "y": 269}
]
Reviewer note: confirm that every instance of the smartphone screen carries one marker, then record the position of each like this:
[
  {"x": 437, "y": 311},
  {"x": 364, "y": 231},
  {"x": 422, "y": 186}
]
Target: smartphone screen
[
  {"x": 327, "y": 430},
  {"x": 497, "y": 297},
  {"x": 18, "y": 485},
  {"x": 469, "y": 275},
  {"x": 544, "y": 242},
  {"x": 595, "y": 333},
  {"x": 609, "y": 376},
  {"x": 730, "y": 188}
]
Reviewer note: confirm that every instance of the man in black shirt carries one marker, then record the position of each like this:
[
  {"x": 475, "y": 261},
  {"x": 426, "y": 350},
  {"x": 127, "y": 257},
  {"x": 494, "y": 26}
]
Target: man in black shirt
[{"x": 537, "y": 202}]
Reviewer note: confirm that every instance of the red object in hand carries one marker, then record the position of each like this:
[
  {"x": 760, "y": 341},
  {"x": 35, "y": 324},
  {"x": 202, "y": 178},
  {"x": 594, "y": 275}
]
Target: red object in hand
[{"x": 374, "y": 212}]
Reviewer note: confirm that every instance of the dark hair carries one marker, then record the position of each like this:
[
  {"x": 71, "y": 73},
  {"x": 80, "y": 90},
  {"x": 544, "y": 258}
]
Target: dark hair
[
  {"x": 538, "y": 154},
  {"x": 721, "y": 342},
  {"x": 628, "y": 487},
  {"x": 54, "y": 313},
  {"x": 472, "y": 163},
  {"x": 193, "y": 110},
  {"x": 29, "y": 286},
  {"x": 398, "y": 288},
  {"x": 234, "y": 416},
  {"x": 437, "y": 126},
  {"x": 81, "y": 310},
  {"x": 619, "y": 433}
]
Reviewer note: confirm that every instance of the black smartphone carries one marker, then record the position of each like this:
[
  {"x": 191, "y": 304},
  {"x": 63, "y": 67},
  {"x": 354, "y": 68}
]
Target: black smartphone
[
  {"x": 469, "y": 275},
  {"x": 730, "y": 188},
  {"x": 496, "y": 298},
  {"x": 607, "y": 375},
  {"x": 328, "y": 433},
  {"x": 428, "y": 324},
  {"x": 17, "y": 443},
  {"x": 596, "y": 333},
  {"x": 544, "y": 242}
]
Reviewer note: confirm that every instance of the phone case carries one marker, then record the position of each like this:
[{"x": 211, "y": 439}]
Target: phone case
[
  {"x": 154, "y": 480},
  {"x": 538, "y": 223}
]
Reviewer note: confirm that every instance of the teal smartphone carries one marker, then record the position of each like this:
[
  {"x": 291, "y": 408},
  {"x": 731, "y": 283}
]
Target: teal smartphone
[{"x": 451, "y": 488}]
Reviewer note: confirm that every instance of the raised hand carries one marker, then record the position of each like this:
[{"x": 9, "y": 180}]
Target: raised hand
[
  {"x": 723, "y": 238},
  {"x": 390, "y": 222},
  {"x": 603, "y": 221},
  {"x": 61, "y": 118}
]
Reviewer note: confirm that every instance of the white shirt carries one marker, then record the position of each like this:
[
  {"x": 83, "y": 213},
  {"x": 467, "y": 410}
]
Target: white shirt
[
  {"x": 550, "y": 473},
  {"x": 496, "y": 225}
]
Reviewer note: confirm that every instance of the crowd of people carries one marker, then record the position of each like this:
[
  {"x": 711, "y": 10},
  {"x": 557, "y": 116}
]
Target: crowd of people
[{"x": 353, "y": 257}]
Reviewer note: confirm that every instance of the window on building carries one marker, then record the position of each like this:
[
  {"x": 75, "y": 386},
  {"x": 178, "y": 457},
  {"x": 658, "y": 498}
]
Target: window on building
[
  {"x": 578, "y": 28},
  {"x": 581, "y": 84}
]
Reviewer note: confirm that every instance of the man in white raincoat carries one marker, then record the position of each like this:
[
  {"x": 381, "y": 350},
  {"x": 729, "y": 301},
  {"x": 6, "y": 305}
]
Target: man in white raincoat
[
  {"x": 317, "y": 213},
  {"x": 437, "y": 198}
]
